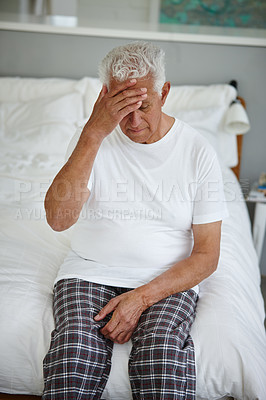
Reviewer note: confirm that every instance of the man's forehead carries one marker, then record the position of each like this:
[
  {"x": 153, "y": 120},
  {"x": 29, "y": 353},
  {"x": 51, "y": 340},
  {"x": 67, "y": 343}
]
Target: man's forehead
[{"x": 146, "y": 81}]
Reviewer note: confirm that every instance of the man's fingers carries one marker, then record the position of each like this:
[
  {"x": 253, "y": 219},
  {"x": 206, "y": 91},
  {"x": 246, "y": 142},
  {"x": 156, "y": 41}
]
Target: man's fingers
[
  {"x": 120, "y": 337},
  {"x": 123, "y": 337},
  {"x": 122, "y": 86},
  {"x": 127, "y": 110},
  {"x": 102, "y": 93},
  {"x": 109, "y": 327},
  {"x": 106, "y": 309},
  {"x": 127, "y": 105},
  {"x": 104, "y": 90},
  {"x": 130, "y": 95},
  {"x": 117, "y": 331},
  {"x": 125, "y": 101},
  {"x": 114, "y": 333},
  {"x": 102, "y": 314}
]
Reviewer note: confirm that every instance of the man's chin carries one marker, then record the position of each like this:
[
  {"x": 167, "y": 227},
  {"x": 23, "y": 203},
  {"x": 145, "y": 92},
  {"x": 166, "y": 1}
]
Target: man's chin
[{"x": 138, "y": 136}]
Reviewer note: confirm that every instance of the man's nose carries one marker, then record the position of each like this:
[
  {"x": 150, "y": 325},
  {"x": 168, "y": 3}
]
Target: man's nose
[{"x": 135, "y": 118}]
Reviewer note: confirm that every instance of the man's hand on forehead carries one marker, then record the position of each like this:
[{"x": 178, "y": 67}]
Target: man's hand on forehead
[
  {"x": 117, "y": 87},
  {"x": 114, "y": 105},
  {"x": 126, "y": 94}
]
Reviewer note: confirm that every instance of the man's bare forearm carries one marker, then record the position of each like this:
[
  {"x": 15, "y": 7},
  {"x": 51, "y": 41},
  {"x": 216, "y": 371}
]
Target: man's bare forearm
[
  {"x": 180, "y": 277},
  {"x": 68, "y": 192},
  {"x": 189, "y": 272}
]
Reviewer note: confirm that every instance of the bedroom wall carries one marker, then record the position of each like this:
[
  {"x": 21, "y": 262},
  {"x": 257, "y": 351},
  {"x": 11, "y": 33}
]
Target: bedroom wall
[{"x": 49, "y": 55}]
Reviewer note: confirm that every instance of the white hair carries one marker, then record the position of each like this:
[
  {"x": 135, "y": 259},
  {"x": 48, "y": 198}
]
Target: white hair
[{"x": 134, "y": 60}]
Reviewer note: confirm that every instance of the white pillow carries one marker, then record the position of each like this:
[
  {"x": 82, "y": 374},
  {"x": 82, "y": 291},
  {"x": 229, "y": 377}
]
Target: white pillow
[
  {"x": 205, "y": 108},
  {"x": 206, "y": 121},
  {"x": 209, "y": 122},
  {"x": 199, "y": 97},
  {"x": 93, "y": 88},
  {"x": 27, "y": 89},
  {"x": 34, "y": 135},
  {"x": 44, "y": 125}
]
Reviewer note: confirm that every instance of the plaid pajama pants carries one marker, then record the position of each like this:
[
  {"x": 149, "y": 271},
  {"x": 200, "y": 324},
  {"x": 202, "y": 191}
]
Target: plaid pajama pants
[{"x": 161, "y": 363}]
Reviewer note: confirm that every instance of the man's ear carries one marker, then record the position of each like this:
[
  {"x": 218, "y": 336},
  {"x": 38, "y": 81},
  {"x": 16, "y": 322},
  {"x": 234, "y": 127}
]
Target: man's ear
[{"x": 165, "y": 91}]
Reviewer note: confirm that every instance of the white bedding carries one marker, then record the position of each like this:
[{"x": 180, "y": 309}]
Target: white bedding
[{"x": 37, "y": 119}]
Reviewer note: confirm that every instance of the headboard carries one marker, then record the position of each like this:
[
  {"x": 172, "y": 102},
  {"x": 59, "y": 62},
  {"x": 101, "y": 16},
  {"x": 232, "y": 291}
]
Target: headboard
[{"x": 236, "y": 169}]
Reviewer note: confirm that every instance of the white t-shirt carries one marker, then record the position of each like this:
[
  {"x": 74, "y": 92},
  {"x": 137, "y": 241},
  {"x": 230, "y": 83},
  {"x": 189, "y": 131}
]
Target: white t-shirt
[{"x": 144, "y": 199}]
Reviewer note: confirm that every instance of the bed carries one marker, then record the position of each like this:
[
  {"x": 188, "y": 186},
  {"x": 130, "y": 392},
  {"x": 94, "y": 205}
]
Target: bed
[{"x": 38, "y": 117}]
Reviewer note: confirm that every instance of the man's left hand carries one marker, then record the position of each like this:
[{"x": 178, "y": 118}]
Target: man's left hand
[{"x": 127, "y": 309}]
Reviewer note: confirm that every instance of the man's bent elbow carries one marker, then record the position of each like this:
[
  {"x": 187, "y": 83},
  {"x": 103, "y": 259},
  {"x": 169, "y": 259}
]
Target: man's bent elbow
[
  {"x": 209, "y": 262},
  {"x": 60, "y": 220},
  {"x": 59, "y": 225}
]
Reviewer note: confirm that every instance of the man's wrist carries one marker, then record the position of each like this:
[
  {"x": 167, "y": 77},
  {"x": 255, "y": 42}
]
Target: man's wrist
[
  {"x": 148, "y": 297},
  {"x": 91, "y": 136}
]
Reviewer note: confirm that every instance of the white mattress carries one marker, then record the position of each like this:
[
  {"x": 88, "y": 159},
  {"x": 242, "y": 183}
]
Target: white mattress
[{"x": 228, "y": 332}]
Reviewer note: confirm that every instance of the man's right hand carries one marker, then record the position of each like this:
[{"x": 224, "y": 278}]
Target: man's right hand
[{"x": 111, "y": 107}]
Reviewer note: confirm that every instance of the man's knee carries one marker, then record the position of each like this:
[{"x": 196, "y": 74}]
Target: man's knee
[{"x": 162, "y": 341}]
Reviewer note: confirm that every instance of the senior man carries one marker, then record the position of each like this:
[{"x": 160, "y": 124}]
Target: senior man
[{"x": 147, "y": 231}]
